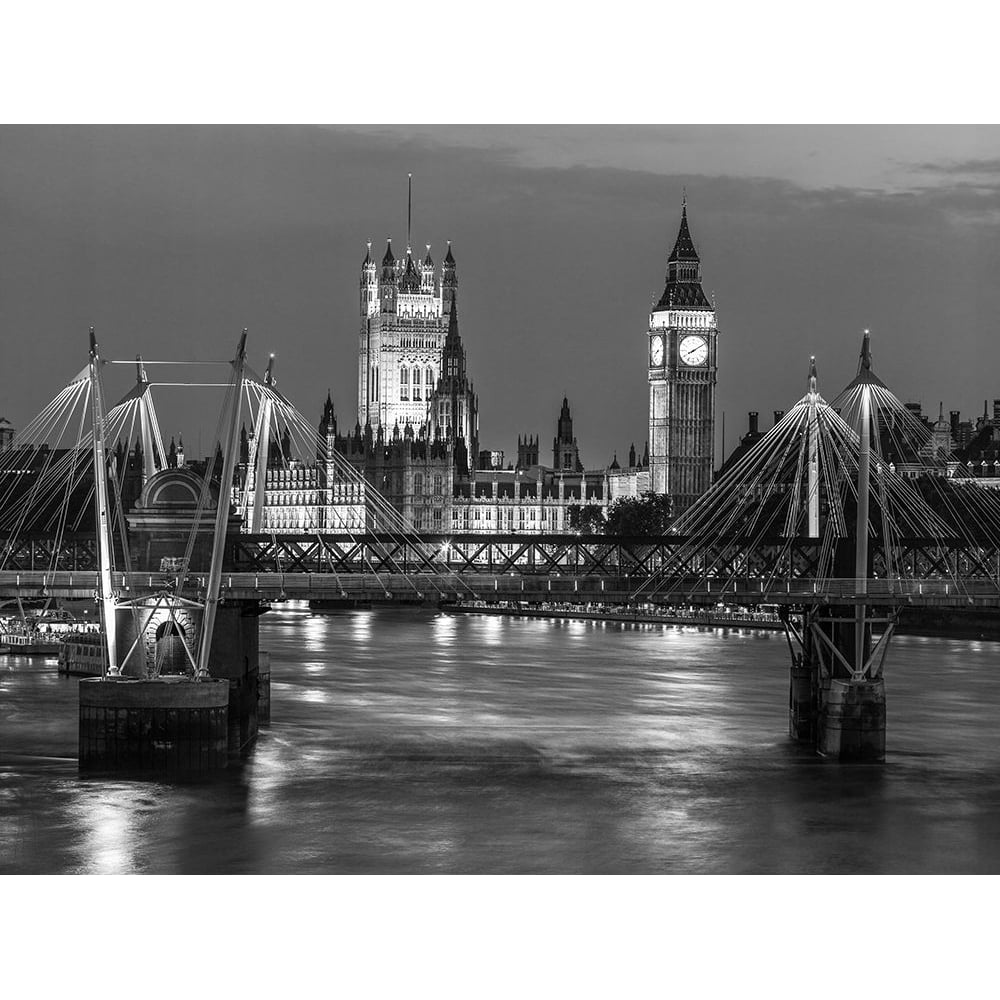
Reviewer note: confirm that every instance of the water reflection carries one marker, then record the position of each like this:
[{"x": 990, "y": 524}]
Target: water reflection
[{"x": 410, "y": 741}]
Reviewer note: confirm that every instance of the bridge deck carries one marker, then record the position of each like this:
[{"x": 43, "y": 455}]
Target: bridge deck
[{"x": 538, "y": 587}]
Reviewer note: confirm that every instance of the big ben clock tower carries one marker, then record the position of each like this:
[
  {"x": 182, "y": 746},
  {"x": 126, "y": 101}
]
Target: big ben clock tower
[{"x": 682, "y": 369}]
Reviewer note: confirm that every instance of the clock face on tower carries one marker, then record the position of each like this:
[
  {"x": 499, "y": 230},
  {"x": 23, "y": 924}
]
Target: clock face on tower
[
  {"x": 693, "y": 350},
  {"x": 656, "y": 351}
]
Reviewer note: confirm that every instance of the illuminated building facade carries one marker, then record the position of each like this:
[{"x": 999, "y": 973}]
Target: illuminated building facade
[{"x": 683, "y": 360}]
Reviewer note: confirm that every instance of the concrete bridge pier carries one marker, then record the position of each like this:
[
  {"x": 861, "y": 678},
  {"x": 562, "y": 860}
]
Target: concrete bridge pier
[
  {"x": 832, "y": 707},
  {"x": 851, "y": 704},
  {"x": 156, "y": 716},
  {"x": 852, "y": 721}
]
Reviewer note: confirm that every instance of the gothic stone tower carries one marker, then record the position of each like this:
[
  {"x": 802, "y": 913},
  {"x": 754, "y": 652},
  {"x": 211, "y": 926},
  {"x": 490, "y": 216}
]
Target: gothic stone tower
[
  {"x": 682, "y": 373},
  {"x": 453, "y": 407},
  {"x": 565, "y": 452},
  {"x": 404, "y": 322}
]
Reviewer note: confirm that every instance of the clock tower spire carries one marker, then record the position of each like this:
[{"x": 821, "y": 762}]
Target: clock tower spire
[{"x": 682, "y": 375}]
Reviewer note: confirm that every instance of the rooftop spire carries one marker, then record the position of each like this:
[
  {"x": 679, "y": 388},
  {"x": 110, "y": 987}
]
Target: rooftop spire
[
  {"x": 409, "y": 208},
  {"x": 683, "y": 283},
  {"x": 453, "y": 322},
  {"x": 684, "y": 245}
]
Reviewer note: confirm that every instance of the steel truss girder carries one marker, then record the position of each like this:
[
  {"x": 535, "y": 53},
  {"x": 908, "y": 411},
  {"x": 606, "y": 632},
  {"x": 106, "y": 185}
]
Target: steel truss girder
[{"x": 660, "y": 559}]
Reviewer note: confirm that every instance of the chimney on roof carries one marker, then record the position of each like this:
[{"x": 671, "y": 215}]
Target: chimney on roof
[
  {"x": 954, "y": 415},
  {"x": 753, "y": 421},
  {"x": 996, "y": 410},
  {"x": 778, "y": 414}
]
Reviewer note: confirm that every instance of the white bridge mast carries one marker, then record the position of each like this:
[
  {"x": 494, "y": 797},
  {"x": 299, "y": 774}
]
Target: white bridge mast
[
  {"x": 104, "y": 551},
  {"x": 263, "y": 445},
  {"x": 230, "y": 447}
]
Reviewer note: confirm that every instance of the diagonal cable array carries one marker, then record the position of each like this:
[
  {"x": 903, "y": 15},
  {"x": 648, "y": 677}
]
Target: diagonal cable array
[
  {"x": 786, "y": 508},
  {"x": 368, "y": 513}
]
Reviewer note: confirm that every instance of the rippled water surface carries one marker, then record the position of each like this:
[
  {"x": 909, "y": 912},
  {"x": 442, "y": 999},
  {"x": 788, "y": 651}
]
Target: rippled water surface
[{"x": 416, "y": 741}]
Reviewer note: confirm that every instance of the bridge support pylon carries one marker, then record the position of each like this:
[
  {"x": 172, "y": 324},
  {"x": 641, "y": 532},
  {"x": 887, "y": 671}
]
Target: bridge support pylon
[
  {"x": 836, "y": 702},
  {"x": 803, "y": 688}
]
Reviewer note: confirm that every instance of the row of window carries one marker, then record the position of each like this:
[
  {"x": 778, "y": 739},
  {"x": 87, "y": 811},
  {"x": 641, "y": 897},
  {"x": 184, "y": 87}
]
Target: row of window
[
  {"x": 418, "y": 483},
  {"x": 405, "y": 385},
  {"x": 344, "y": 492},
  {"x": 285, "y": 499},
  {"x": 487, "y": 514},
  {"x": 421, "y": 343}
]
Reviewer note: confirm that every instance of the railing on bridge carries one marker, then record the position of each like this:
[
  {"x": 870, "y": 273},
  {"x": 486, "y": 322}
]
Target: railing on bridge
[
  {"x": 611, "y": 588},
  {"x": 669, "y": 557}
]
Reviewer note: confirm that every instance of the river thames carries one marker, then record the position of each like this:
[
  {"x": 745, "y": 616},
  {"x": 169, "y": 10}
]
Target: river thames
[{"x": 411, "y": 741}]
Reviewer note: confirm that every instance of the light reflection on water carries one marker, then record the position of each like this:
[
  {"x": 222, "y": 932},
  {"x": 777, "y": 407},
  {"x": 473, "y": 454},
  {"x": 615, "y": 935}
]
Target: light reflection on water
[{"x": 405, "y": 740}]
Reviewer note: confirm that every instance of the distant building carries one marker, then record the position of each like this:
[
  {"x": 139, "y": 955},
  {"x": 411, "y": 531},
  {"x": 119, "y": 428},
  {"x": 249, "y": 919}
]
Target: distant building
[
  {"x": 416, "y": 438},
  {"x": 7, "y": 433},
  {"x": 980, "y": 458}
]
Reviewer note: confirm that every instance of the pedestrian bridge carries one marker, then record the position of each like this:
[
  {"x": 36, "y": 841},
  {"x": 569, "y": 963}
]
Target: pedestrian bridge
[{"x": 581, "y": 569}]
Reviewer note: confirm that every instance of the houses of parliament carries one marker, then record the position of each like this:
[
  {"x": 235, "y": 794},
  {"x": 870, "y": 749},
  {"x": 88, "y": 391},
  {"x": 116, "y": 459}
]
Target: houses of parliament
[{"x": 416, "y": 437}]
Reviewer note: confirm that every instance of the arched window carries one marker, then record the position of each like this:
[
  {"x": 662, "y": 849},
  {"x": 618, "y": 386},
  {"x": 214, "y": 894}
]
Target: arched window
[
  {"x": 418, "y": 482},
  {"x": 429, "y": 377},
  {"x": 404, "y": 383}
]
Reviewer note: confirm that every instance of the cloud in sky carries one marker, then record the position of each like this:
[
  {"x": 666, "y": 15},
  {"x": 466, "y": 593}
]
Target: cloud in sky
[
  {"x": 875, "y": 157},
  {"x": 171, "y": 239}
]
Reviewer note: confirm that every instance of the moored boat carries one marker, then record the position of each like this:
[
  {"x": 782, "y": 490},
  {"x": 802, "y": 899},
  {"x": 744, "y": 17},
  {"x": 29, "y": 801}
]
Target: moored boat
[{"x": 82, "y": 654}]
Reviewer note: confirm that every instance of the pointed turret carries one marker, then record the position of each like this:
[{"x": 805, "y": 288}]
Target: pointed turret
[
  {"x": 453, "y": 355},
  {"x": 684, "y": 245},
  {"x": 389, "y": 263},
  {"x": 452, "y": 336},
  {"x": 410, "y": 282},
  {"x": 631, "y": 456},
  {"x": 565, "y": 428},
  {"x": 565, "y": 453},
  {"x": 427, "y": 272},
  {"x": 683, "y": 283},
  {"x": 369, "y": 284},
  {"x": 328, "y": 421},
  {"x": 449, "y": 280}
]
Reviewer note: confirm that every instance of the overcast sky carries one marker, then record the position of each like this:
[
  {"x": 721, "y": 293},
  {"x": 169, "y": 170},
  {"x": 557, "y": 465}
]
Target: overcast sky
[{"x": 169, "y": 240}]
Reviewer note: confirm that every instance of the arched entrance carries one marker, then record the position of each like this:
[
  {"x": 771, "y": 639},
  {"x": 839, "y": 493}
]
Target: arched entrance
[{"x": 170, "y": 657}]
